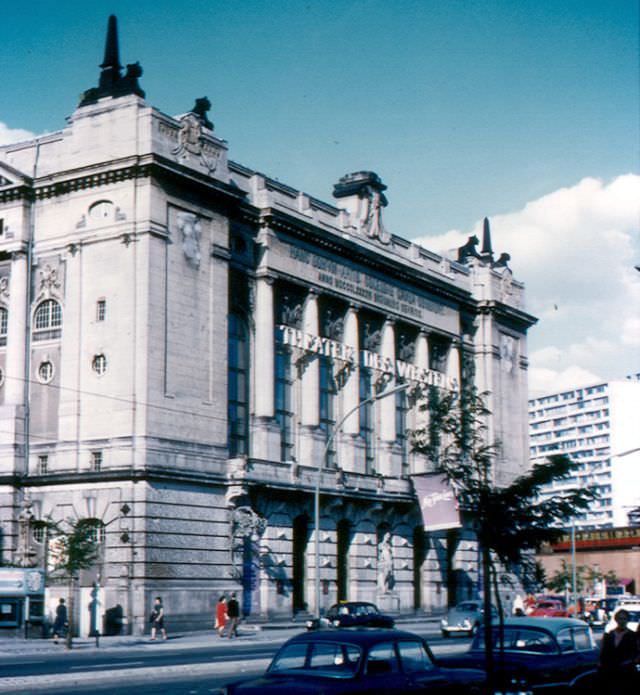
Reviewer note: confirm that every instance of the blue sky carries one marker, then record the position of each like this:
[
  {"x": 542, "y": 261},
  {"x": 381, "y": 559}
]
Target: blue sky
[{"x": 465, "y": 109}]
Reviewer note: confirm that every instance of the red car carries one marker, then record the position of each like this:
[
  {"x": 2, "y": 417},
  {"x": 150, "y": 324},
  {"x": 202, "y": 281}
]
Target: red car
[{"x": 549, "y": 609}]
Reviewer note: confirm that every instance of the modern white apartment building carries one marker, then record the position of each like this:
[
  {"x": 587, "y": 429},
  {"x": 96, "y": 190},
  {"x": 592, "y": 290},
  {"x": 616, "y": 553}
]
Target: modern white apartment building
[{"x": 597, "y": 426}]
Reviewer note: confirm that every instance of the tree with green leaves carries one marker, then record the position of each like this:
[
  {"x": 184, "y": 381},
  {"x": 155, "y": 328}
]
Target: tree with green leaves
[
  {"x": 586, "y": 577},
  {"x": 74, "y": 547},
  {"x": 510, "y": 521}
]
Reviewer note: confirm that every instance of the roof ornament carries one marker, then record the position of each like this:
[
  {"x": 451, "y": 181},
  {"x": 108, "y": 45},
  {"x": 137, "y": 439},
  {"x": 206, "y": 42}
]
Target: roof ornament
[
  {"x": 467, "y": 253},
  {"x": 112, "y": 82},
  {"x": 362, "y": 193}
]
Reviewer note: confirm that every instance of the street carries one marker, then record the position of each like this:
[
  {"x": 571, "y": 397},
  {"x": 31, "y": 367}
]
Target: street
[{"x": 180, "y": 665}]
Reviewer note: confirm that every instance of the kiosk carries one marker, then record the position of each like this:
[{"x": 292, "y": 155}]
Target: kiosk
[{"x": 21, "y": 598}]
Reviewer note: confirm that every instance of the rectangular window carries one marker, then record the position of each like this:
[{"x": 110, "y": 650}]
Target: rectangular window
[
  {"x": 43, "y": 463},
  {"x": 1, "y": 226},
  {"x": 238, "y": 387},
  {"x": 328, "y": 391},
  {"x": 401, "y": 429},
  {"x": 101, "y": 309},
  {"x": 284, "y": 401},
  {"x": 367, "y": 420},
  {"x": 96, "y": 460}
]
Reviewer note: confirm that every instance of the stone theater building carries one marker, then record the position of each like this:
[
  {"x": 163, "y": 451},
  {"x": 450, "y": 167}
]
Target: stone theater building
[{"x": 180, "y": 338}]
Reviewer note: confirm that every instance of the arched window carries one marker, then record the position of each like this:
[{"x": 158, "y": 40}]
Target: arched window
[
  {"x": 4, "y": 325},
  {"x": 96, "y": 529},
  {"x": 238, "y": 387},
  {"x": 47, "y": 320}
]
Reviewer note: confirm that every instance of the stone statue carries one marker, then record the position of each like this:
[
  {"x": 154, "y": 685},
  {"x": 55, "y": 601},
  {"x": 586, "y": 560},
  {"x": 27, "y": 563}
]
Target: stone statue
[
  {"x": 385, "y": 564},
  {"x": 25, "y": 552}
]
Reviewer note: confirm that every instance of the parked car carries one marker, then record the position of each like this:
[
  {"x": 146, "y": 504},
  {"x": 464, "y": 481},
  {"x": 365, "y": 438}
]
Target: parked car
[
  {"x": 465, "y": 618},
  {"x": 358, "y": 661},
  {"x": 352, "y": 614},
  {"x": 549, "y": 608},
  {"x": 541, "y": 655},
  {"x": 633, "y": 608}
]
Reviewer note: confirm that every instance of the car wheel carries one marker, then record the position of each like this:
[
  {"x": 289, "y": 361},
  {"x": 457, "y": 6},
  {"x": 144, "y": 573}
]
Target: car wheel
[{"x": 473, "y": 630}]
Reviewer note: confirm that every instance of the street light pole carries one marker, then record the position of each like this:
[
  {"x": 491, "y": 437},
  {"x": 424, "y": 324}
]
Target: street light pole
[{"x": 323, "y": 464}]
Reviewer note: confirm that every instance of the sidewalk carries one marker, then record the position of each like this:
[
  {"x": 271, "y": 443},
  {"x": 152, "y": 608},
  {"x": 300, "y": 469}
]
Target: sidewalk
[{"x": 247, "y": 631}]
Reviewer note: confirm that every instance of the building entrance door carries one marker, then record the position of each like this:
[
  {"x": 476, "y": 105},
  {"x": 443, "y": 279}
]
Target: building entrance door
[
  {"x": 343, "y": 543},
  {"x": 299, "y": 551},
  {"x": 419, "y": 553}
]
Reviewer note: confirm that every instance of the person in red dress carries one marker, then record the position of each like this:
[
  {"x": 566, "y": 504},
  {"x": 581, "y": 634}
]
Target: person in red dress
[{"x": 221, "y": 615}]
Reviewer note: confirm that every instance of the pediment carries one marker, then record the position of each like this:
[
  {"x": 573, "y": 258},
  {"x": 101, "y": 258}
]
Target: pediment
[{"x": 10, "y": 176}]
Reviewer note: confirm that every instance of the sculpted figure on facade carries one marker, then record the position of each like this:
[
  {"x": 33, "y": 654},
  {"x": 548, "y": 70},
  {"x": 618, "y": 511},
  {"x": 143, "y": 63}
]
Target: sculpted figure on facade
[
  {"x": 385, "y": 564},
  {"x": 362, "y": 192},
  {"x": 25, "y": 552},
  {"x": 190, "y": 227},
  {"x": 49, "y": 283}
]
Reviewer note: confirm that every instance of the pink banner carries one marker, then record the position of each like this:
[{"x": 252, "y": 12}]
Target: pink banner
[{"x": 437, "y": 502}]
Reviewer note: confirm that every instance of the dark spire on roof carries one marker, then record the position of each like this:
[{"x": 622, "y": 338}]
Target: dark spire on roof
[
  {"x": 112, "y": 83},
  {"x": 486, "y": 239}
]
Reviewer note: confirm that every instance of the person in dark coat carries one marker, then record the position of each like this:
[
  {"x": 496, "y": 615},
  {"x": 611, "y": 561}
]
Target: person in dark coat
[
  {"x": 157, "y": 619},
  {"x": 233, "y": 613},
  {"x": 619, "y": 656},
  {"x": 61, "y": 622}
]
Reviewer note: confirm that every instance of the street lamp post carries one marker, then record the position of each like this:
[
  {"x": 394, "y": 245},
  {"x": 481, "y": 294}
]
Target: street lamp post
[{"x": 323, "y": 461}]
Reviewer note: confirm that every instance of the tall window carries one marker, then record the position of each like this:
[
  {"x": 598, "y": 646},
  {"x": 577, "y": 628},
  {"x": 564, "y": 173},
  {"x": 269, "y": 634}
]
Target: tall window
[
  {"x": 328, "y": 391},
  {"x": 96, "y": 460},
  {"x": 366, "y": 419},
  {"x": 284, "y": 401},
  {"x": 101, "y": 309},
  {"x": 238, "y": 387},
  {"x": 402, "y": 406},
  {"x": 47, "y": 320},
  {"x": 4, "y": 325}
]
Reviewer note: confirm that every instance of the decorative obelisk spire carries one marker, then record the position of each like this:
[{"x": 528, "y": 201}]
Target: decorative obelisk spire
[
  {"x": 486, "y": 251},
  {"x": 112, "y": 83},
  {"x": 111, "y": 68}
]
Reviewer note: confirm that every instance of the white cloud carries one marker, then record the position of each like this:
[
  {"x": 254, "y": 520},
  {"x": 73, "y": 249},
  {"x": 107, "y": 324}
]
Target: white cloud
[
  {"x": 10, "y": 135},
  {"x": 575, "y": 249}
]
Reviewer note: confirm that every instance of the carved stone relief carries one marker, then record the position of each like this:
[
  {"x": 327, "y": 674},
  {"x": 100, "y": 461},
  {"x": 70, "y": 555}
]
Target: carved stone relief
[{"x": 190, "y": 228}]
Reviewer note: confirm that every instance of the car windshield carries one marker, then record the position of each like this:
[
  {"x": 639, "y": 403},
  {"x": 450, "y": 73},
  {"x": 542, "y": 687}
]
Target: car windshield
[
  {"x": 547, "y": 604},
  {"x": 467, "y": 607},
  {"x": 328, "y": 659},
  {"x": 519, "y": 640}
]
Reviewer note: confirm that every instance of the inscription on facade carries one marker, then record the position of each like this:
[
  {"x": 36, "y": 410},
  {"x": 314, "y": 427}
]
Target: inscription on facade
[
  {"x": 315, "y": 344},
  {"x": 361, "y": 285}
]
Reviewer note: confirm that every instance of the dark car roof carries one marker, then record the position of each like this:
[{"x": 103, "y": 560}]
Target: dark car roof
[
  {"x": 360, "y": 636},
  {"x": 553, "y": 625},
  {"x": 354, "y": 603}
]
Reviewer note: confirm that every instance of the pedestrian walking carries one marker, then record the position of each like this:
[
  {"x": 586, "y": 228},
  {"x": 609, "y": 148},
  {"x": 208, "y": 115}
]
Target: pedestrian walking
[
  {"x": 618, "y": 658},
  {"x": 157, "y": 619},
  {"x": 233, "y": 613},
  {"x": 221, "y": 615},
  {"x": 61, "y": 622}
]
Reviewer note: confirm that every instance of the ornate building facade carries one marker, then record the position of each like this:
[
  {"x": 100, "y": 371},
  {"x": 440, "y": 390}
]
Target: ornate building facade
[{"x": 180, "y": 338}]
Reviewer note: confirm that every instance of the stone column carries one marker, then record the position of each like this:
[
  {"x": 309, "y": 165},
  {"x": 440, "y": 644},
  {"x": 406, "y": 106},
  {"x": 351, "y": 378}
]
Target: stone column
[
  {"x": 312, "y": 440},
  {"x": 387, "y": 465},
  {"x": 453, "y": 363},
  {"x": 17, "y": 331},
  {"x": 351, "y": 389},
  {"x": 265, "y": 438},
  {"x": 264, "y": 348},
  {"x": 311, "y": 376},
  {"x": 350, "y": 396},
  {"x": 421, "y": 417}
]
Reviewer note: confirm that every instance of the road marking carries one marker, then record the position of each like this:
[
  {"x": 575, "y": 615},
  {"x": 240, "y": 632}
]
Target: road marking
[{"x": 106, "y": 666}]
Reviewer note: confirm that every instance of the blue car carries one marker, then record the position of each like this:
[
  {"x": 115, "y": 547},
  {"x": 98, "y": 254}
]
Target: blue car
[
  {"x": 357, "y": 661},
  {"x": 541, "y": 655}
]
